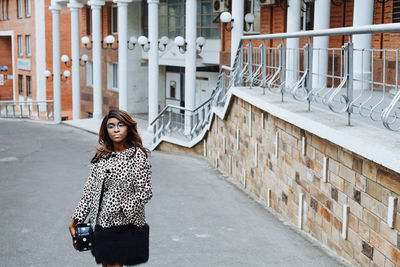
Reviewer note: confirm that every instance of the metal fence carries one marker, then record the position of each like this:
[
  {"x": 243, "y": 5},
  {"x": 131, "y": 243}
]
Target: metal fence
[
  {"x": 362, "y": 82},
  {"x": 297, "y": 72},
  {"x": 36, "y": 110}
]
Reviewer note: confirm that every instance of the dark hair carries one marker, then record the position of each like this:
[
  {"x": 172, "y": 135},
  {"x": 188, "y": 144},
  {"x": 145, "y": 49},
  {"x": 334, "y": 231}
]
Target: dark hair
[{"x": 132, "y": 139}]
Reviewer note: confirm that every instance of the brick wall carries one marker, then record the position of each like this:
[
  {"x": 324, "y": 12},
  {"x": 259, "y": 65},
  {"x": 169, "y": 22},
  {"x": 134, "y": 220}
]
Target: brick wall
[
  {"x": 6, "y": 90},
  {"x": 21, "y": 26},
  {"x": 351, "y": 179}
]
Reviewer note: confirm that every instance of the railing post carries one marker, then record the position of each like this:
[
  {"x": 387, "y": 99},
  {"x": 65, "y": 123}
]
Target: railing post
[
  {"x": 263, "y": 61},
  {"x": 309, "y": 85},
  {"x": 155, "y": 132},
  {"x": 350, "y": 76},
  {"x": 250, "y": 62},
  {"x": 282, "y": 66},
  {"x": 239, "y": 66},
  {"x": 38, "y": 111},
  {"x": 13, "y": 110}
]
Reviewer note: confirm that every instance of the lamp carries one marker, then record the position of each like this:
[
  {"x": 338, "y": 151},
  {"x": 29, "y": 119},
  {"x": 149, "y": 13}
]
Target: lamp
[
  {"x": 182, "y": 45},
  {"x": 226, "y": 17},
  {"x": 84, "y": 58},
  {"x": 85, "y": 41},
  {"x": 249, "y": 19},
  {"x": 180, "y": 42},
  {"x": 163, "y": 41},
  {"x": 66, "y": 74},
  {"x": 144, "y": 43},
  {"x": 65, "y": 59},
  {"x": 48, "y": 74},
  {"x": 109, "y": 40},
  {"x": 132, "y": 40}
]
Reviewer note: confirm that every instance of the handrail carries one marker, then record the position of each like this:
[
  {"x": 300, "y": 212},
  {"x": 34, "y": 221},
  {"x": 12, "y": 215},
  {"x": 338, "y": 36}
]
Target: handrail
[
  {"x": 366, "y": 29},
  {"x": 26, "y": 102}
]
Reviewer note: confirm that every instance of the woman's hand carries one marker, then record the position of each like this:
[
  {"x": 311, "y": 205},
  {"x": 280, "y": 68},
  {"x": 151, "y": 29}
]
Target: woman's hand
[{"x": 72, "y": 232}]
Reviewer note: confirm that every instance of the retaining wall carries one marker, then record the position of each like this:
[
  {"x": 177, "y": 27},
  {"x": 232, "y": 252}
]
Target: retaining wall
[{"x": 345, "y": 197}]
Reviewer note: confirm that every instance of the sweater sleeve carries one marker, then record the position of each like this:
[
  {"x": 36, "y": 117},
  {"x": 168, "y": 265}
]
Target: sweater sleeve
[
  {"x": 137, "y": 195},
  {"x": 83, "y": 208}
]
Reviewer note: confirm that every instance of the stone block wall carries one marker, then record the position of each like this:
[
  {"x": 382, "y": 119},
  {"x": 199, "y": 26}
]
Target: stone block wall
[{"x": 351, "y": 181}]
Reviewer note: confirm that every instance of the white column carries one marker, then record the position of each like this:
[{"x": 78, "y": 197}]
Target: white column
[
  {"x": 123, "y": 53},
  {"x": 153, "y": 59},
  {"x": 190, "y": 60},
  {"x": 74, "y": 7},
  {"x": 238, "y": 24},
  {"x": 322, "y": 10},
  {"x": 292, "y": 44},
  {"x": 97, "y": 70},
  {"x": 40, "y": 49},
  {"x": 55, "y": 10},
  {"x": 363, "y": 15}
]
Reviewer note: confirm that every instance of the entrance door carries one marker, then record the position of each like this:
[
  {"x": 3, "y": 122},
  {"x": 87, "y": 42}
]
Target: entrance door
[
  {"x": 173, "y": 89},
  {"x": 202, "y": 86}
]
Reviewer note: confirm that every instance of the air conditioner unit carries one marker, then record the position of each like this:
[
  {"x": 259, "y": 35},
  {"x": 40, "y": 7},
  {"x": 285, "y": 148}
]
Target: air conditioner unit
[
  {"x": 266, "y": 2},
  {"x": 219, "y": 6}
]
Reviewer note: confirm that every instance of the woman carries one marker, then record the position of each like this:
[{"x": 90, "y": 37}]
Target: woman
[{"x": 120, "y": 179}]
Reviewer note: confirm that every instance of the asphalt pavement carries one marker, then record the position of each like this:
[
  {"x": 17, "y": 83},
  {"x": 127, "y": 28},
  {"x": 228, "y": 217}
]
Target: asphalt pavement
[{"x": 196, "y": 216}]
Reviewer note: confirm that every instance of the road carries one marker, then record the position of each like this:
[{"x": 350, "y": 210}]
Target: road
[{"x": 197, "y": 217}]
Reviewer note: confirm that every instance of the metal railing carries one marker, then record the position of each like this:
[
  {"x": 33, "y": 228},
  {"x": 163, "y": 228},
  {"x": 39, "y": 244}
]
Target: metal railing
[
  {"x": 290, "y": 72},
  {"x": 362, "y": 82},
  {"x": 186, "y": 124},
  {"x": 36, "y": 110}
]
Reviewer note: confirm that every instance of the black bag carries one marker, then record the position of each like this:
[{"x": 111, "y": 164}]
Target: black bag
[{"x": 84, "y": 237}]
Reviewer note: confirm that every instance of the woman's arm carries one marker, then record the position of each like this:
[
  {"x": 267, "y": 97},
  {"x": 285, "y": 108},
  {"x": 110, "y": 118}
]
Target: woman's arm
[
  {"x": 83, "y": 208},
  {"x": 134, "y": 200}
]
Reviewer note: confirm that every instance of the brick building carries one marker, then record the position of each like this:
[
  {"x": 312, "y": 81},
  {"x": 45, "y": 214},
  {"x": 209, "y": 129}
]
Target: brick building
[{"x": 26, "y": 30}]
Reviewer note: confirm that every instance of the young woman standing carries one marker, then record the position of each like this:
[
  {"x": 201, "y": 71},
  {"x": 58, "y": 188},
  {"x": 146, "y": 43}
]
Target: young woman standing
[{"x": 115, "y": 194}]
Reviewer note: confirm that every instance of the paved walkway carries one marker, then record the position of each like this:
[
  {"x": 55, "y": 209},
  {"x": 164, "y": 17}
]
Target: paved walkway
[{"x": 197, "y": 218}]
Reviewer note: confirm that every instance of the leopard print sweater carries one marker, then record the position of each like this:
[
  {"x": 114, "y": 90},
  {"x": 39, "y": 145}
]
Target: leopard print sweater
[{"x": 127, "y": 188}]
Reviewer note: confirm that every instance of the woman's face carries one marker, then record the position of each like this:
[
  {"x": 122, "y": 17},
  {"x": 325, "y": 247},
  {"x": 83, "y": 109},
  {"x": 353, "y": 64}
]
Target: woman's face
[{"x": 117, "y": 130}]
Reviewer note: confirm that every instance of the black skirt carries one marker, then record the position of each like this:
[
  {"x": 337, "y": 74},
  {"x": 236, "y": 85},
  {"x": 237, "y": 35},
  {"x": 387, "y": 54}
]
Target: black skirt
[{"x": 124, "y": 245}]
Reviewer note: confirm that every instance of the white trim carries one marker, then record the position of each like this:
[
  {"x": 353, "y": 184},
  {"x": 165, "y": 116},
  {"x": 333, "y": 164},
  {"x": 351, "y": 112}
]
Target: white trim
[
  {"x": 346, "y": 211},
  {"x": 392, "y": 207},
  {"x": 40, "y": 49},
  {"x": 300, "y": 215}
]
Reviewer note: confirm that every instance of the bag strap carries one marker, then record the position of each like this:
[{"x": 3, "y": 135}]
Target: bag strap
[{"x": 101, "y": 200}]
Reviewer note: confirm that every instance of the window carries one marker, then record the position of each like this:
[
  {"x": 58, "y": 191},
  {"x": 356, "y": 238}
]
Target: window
[
  {"x": 19, "y": 8},
  {"x": 115, "y": 76},
  {"x": 28, "y": 86},
  {"x": 114, "y": 20},
  {"x": 89, "y": 74},
  {"x": 5, "y": 9},
  {"x": 21, "y": 84},
  {"x": 172, "y": 19},
  {"x": 27, "y": 8},
  {"x": 28, "y": 45},
  {"x": 396, "y": 11},
  {"x": 1, "y": 10},
  {"x": 88, "y": 21},
  {"x": 112, "y": 76},
  {"x": 20, "y": 46},
  {"x": 307, "y": 17},
  {"x": 206, "y": 26}
]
